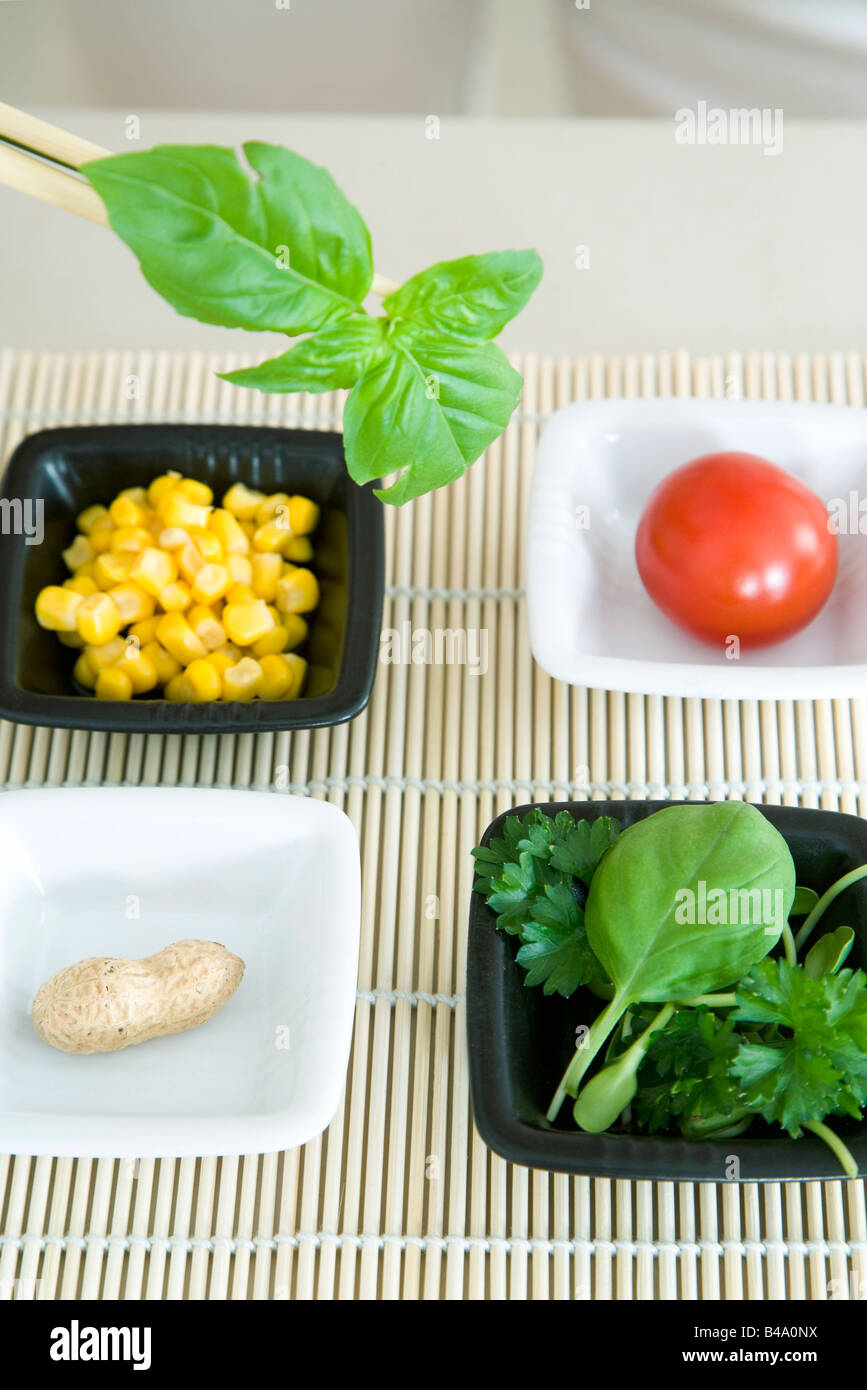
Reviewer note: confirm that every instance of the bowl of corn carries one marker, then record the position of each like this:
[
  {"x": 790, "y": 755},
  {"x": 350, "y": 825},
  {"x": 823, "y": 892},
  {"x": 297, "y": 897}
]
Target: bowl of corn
[{"x": 192, "y": 578}]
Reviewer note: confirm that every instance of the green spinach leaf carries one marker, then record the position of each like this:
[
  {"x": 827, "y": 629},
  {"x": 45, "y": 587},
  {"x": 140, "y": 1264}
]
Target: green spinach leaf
[{"x": 651, "y": 950}]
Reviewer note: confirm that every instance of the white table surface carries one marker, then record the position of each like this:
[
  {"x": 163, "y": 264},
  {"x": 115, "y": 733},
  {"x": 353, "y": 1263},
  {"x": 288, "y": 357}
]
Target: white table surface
[{"x": 707, "y": 248}]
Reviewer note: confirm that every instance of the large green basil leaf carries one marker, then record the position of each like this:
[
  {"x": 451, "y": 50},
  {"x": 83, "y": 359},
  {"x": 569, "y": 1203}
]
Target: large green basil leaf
[
  {"x": 327, "y": 237},
  {"x": 637, "y": 909},
  {"x": 427, "y": 408},
  {"x": 330, "y": 360},
  {"x": 209, "y": 239},
  {"x": 472, "y": 298}
]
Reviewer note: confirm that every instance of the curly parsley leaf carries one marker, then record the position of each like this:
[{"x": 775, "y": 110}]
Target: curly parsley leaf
[
  {"x": 686, "y": 1076},
  {"x": 528, "y": 876},
  {"x": 556, "y": 953},
  {"x": 513, "y": 893},
  {"x": 579, "y": 848},
  {"x": 501, "y": 850},
  {"x": 816, "y": 1066}
]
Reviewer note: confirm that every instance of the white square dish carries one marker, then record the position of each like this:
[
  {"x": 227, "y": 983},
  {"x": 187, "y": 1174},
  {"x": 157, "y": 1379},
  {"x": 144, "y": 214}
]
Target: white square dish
[
  {"x": 590, "y": 620},
  {"x": 126, "y": 871}
]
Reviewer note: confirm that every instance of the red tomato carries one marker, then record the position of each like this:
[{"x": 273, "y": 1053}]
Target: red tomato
[{"x": 730, "y": 545}]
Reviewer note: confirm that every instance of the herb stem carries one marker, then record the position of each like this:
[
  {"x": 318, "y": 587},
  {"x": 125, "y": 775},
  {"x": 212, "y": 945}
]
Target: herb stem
[
  {"x": 583, "y": 1056},
  {"x": 826, "y": 899},
  {"x": 789, "y": 945},
  {"x": 836, "y": 1145},
  {"x": 710, "y": 1001}
]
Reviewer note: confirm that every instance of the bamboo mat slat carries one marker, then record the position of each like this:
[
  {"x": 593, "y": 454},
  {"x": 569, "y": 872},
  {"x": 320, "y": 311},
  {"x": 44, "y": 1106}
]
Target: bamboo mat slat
[{"x": 400, "y": 1199}]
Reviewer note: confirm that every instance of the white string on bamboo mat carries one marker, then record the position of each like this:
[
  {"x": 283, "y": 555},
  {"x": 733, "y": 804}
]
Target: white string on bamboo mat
[
  {"x": 730, "y": 789},
  {"x": 381, "y": 1240}
]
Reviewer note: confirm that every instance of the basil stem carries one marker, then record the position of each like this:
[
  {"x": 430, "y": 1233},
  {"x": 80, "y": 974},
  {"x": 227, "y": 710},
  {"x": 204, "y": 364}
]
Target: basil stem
[{"x": 826, "y": 899}]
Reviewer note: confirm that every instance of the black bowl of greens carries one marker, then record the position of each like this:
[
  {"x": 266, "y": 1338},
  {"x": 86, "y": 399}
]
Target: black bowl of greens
[{"x": 671, "y": 990}]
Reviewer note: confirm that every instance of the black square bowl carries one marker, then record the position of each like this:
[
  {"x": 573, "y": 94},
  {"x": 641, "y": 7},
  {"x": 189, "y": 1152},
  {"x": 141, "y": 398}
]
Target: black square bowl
[
  {"x": 67, "y": 470},
  {"x": 520, "y": 1041}
]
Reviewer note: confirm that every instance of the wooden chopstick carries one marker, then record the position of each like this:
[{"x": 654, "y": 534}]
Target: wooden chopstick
[
  {"x": 46, "y": 140},
  {"x": 26, "y": 143}
]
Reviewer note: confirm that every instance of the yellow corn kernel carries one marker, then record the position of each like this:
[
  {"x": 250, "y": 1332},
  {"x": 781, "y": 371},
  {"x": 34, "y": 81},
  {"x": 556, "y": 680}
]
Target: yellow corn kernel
[
  {"x": 242, "y": 502},
  {"x": 240, "y": 569},
  {"x": 153, "y": 569},
  {"x": 249, "y": 529},
  {"x": 83, "y": 672},
  {"x": 175, "y": 634},
  {"x": 303, "y": 516},
  {"x": 228, "y": 532},
  {"x": 242, "y": 681},
  {"x": 139, "y": 495},
  {"x": 125, "y": 511},
  {"x": 112, "y": 568},
  {"x": 130, "y": 538},
  {"x": 176, "y": 688},
  {"x": 82, "y": 584},
  {"x": 231, "y": 651},
  {"x": 245, "y": 623},
  {"x": 211, "y": 582},
  {"x": 176, "y": 510},
  {"x": 266, "y": 572},
  {"x": 299, "y": 549},
  {"x": 298, "y": 592},
  {"x": 206, "y": 626},
  {"x": 165, "y": 665},
  {"x": 201, "y": 682},
  {"x": 106, "y": 655},
  {"x": 146, "y": 630},
  {"x": 220, "y": 661},
  {"x": 272, "y": 507},
  {"x": 240, "y": 593},
  {"x": 132, "y": 603},
  {"x": 87, "y": 571},
  {"x": 56, "y": 608},
  {"x": 296, "y": 627},
  {"x": 207, "y": 544},
  {"x": 282, "y": 676},
  {"x": 100, "y": 534},
  {"x": 194, "y": 491},
  {"x": 190, "y": 562},
  {"x": 173, "y": 537},
  {"x": 161, "y": 486},
  {"x": 113, "y": 684},
  {"x": 175, "y": 597},
  {"x": 86, "y": 520},
  {"x": 272, "y": 538},
  {"x": 97, "y": 619},
  {"x": 141, "y": 670},
  {"x": 277, "y": 640},
  {"x": 70, "y": 639},
  {"x": 79, "y": 553}
]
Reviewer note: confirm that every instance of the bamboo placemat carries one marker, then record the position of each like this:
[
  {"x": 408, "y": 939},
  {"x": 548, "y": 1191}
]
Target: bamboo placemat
[{"x": 400, "y": 1198}]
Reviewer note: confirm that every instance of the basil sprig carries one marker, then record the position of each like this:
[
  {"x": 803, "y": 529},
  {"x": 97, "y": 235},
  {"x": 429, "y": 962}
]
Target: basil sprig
[{"x": 288, "y": 252}]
